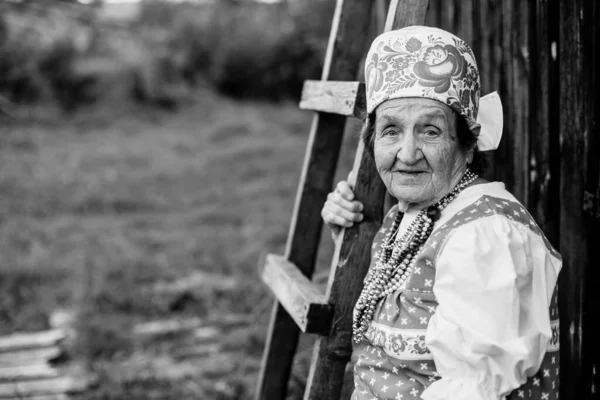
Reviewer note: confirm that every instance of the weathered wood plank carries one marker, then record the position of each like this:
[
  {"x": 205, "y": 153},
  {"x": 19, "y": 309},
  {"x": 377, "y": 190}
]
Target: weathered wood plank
[
  {"x": 197, "y": 282},
  {"x": 405, "y": 12},
  {"x": 578, "y": 287},
  {"x": 167, "y": 326},
  {"x": 195, "y": 351},
  {"x": 49, "y": 397},
  {"x": 25, "y": 389},
  {"x": 174, "y": 325},
  {"x": 27, "y": 372},
  {"x": 30, "y": 356},
  {"x": 353, "y": 251},
  {"x": 345, "y": 49},
  {"x": 297, "y": 294},
  {"x": 349, "y": 267},
  {"x": 544, "y": 163},
  {"x": 20, "y": 341},
  {"x": 342, "y": 98},
  {"x": 490, "y": 22}
]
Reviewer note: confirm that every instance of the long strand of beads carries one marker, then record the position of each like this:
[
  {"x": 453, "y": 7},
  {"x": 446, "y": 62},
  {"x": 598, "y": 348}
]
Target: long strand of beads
[{"x": 396, "y": 258}]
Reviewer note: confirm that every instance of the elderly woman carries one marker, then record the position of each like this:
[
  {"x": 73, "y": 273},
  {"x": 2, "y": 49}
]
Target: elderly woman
[{"x": 459, "y": 302}]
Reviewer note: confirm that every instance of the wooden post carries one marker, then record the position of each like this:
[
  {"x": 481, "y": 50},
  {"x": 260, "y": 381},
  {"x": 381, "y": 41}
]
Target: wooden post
[
  {"x": 353, "y": 252},
  {"x": 345, "y": 49},
  {"x": 579, "y": 282},
  {"x": 544, "y": 158}
]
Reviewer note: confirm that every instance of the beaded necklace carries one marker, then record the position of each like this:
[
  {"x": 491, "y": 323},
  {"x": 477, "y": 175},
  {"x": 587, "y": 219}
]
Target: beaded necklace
[{"x": 396, "y": 258}]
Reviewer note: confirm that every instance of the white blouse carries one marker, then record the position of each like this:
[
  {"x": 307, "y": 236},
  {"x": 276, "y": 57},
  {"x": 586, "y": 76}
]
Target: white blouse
[{"x": 494, "y": 283}]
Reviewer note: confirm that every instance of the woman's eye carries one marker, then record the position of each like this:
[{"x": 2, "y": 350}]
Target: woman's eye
[
  {"x": 389, "y": 132},
  {"x": 431, "y": 132}
]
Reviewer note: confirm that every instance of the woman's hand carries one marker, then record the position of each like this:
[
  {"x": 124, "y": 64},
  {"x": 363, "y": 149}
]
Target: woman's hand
[{"x": 340, "y": 209}]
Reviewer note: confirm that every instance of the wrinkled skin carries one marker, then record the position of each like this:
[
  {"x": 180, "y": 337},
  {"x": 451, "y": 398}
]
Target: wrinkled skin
[
  {"x": 417, "y": 151},
  {"x": 417, "y": 154}
]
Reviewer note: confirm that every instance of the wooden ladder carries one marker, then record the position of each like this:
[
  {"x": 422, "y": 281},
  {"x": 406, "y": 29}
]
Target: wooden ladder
[{"x": 300, "y": 306}]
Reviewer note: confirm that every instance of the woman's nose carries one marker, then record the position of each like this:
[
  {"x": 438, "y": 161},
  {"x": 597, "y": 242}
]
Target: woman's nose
[{"x": 410, "y": 150}]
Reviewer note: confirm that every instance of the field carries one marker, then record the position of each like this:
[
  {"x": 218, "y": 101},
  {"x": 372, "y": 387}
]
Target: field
[{"x": 100, "y": 207}]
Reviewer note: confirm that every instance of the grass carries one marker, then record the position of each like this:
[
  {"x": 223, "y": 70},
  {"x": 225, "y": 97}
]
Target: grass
[{"x": 98, "y": 207}]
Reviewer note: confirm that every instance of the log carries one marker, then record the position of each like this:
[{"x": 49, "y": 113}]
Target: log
[
  {"x": 21, "y": 341},
  {"x": 307, "y": 306}
]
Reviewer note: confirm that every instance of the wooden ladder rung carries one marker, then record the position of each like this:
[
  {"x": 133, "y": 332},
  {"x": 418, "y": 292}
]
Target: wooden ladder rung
[
  {"x": 336, "y": 97},
  {"x": 297, "y": 294}
]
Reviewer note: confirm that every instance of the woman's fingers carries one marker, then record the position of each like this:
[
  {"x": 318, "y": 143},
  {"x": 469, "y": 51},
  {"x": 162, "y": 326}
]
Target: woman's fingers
[
  {"x": 340, "y": 209},
  {"x": 344, "y": 212},
  {"x": 333, "y": 219},
  {"x": 345, "y": 190},
  {"x": 333, "y": 213},
  {"x": 339, "y": 200}
]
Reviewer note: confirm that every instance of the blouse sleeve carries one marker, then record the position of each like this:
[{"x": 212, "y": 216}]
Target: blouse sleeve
[{"x": 494, "y": 283}]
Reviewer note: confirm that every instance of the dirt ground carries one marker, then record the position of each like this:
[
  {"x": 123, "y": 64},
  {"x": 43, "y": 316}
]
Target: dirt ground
[{"x": 100, "y": 208}]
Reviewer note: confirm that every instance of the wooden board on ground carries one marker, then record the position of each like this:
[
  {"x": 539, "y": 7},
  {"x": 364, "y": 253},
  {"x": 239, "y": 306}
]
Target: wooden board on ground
[
  {"x": 25, "y": 389},
  {"x": 33, "y": 340},
  {"x": 27, "y": 372},
  {"x": 170, "y": 326},
  {"x": 30, "y": 356},
  {"x": 50, "y": 397},
  {"x": 199, "y": 281}
]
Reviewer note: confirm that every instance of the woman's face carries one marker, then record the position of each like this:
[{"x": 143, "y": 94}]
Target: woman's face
[{"x": 416, "y": 149}]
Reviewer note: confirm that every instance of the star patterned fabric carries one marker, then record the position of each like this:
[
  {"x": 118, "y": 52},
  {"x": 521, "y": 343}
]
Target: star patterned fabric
[{"x": 393, "y": 362}]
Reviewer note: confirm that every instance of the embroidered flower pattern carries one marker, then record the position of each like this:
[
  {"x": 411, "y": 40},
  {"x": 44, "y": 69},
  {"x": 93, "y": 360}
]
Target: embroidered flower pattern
[
  {"x": 398, "y": 343},
  {"x": 413, "y": 44},
  {"x": 432, "y": 66}
]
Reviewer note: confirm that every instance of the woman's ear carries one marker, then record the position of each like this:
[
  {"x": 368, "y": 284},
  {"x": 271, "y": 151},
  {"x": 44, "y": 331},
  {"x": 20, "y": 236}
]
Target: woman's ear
[{"x": 475, "y": 128}]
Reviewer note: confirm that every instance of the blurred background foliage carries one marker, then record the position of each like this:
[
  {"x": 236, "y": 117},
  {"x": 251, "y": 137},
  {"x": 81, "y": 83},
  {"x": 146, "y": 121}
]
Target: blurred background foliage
[
  {"x": 78, "y": 54},
  {"x": 150, "y": 145}
]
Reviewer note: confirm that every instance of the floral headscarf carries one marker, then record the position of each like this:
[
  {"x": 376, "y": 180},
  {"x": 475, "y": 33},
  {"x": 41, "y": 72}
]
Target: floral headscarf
[{"x": 420, "y": 61}]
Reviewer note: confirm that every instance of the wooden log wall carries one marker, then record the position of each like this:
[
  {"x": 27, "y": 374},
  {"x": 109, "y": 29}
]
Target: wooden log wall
[
  {"x": 542, "y": 57},
  {"x": 579, "y": 229}
]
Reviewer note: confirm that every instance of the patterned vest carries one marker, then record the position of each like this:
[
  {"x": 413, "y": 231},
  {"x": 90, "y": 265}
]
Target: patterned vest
[{"x": 394, "y": 362}]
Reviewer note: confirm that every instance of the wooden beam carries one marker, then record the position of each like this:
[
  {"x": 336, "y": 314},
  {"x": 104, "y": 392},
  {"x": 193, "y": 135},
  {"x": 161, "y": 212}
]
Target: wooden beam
[
  {"x": 347, "y": 45},
  {"x": 513, "y": 153},
  {"x": 544, "y": 165},
  {"x": 342, "y": 98},
  {"x": 19, "y": 341},
  {"x": 353, "y": 251},
  {"x": 307, "y": 306},
  {"x": 348, "y": 269},
  {"x": 579, "y": 39},
  {"x": 404, "y": 13}
]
